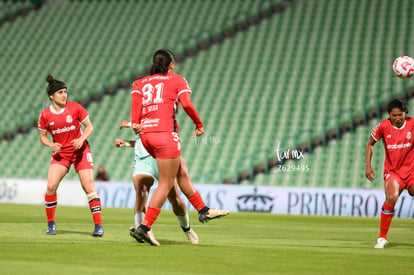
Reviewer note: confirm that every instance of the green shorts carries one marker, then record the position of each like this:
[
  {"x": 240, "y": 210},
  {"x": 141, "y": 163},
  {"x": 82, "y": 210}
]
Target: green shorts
[{"x": 145, "y": 166}]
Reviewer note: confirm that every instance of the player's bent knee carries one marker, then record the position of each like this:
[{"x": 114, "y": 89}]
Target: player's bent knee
[
  {"x": 391, "y": 199},
  {"x": 52, "y": 188}
]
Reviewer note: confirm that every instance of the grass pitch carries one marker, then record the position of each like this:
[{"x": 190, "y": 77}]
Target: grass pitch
[{"x": 241, "y": 243}]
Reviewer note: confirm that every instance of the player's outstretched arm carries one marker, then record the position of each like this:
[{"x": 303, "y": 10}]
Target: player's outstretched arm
[
  {"x": 137, "y": 128},
  {"x": 123, "y": 143},
  {"x": 369, "y": 172},
  {"x": 125, "y": 124},
  {"x": 192, "y": 113}
]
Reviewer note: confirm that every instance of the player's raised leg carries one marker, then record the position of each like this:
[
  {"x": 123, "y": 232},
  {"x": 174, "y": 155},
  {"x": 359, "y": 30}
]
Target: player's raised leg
[{"x": 205, "y": 213}]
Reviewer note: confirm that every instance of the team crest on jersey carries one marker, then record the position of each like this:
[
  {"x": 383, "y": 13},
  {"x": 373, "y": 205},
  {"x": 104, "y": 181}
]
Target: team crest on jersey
[
  {"x": 409, "y": 135},
  {"x": 69, "y": 119}
]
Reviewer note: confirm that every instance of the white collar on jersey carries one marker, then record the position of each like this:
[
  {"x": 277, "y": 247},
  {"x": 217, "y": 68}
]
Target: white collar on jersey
[
  {"x": 402, "y": 127},
  {"x": 56, "y": 112}
]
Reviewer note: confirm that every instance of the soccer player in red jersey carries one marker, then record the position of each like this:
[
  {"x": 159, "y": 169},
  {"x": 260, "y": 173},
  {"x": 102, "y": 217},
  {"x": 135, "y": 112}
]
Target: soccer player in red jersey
[
  {"x": 62, "y": 120},
  {"x": 153, "y": 116},
  {"x": 145, "y": 172},
  {"x": 396, "y": 133}
]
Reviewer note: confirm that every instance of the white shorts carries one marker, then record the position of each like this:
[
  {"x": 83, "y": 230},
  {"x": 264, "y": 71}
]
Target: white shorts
[{"x": 145, "y": 166}]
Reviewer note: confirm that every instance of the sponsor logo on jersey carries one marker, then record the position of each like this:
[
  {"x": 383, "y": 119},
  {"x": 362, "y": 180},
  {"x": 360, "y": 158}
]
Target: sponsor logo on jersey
[
  {"x": 399, "y": 146},
  {"x": 150, "y": 122},
  {"x": 63, "y": 130}
]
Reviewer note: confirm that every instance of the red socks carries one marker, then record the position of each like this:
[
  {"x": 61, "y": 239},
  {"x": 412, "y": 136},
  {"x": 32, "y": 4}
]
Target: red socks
[
  {"x": 50, "y": 206},
  {"x": 95, "y": 206},
  {"x": 51, "y": 203},
  {"x": 196, "y": 201},
  {"x": 386, "y": 217},
  {"x": 151, "y": 216}
]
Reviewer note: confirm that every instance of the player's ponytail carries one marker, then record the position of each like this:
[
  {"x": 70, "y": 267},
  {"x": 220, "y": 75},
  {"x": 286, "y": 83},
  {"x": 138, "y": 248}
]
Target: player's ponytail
[
  {"x": 161, "y": 61},
  {"x": 54, "y": 85},
  {"x": 49, "y": 78}
]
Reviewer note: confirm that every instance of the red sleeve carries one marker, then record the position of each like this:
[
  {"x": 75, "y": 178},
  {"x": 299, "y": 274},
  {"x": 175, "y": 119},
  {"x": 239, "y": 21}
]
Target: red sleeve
[
  {"x": 82, "y": 113},
  {"x": 182, "y": 84},
  {"x": 136, "y": 108},
  {"x": 41, "y": 123},
  {"x": 377, "y": 132},
  {"x": 189, "y": 108}
]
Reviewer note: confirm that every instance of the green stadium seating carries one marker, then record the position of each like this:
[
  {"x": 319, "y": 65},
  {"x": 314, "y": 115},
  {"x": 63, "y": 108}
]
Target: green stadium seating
[
  {"x": 283, "y": 76},
  {"x": 10, "y": 8}
]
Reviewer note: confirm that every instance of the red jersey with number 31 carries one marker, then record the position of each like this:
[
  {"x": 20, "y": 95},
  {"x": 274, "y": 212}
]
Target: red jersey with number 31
[
  {"x": 64, "y": 126},
  {"x": 159, "y": 96},
  {"x": 398, "y": 144}
]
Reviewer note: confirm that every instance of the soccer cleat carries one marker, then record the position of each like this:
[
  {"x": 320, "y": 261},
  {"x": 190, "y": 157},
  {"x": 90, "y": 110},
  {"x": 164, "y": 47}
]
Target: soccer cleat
[
  {"x": 381, "y": 243},
  {"x": 98, "y": 232},
  {"x": 212, "y": 213},
  {"x": 191, "y": 236},
  {"x": 136, "y": 237},
  {"x": 152, "y": 237},
  {"x": 146, "y": 236},
  {"x": 51, "y": 228}
]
